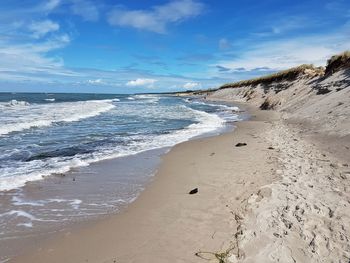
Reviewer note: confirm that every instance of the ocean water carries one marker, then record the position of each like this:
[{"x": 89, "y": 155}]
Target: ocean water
[{"x": 45, "y": 135}]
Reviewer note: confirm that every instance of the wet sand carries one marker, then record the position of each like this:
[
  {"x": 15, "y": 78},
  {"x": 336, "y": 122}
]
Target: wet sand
[
  {"x": 166, "y": 224},
  {"x": 64, "y": 201}
]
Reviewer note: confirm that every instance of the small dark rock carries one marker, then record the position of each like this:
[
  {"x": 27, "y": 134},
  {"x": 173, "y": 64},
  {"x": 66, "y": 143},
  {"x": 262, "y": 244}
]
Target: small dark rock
[
  {"x": 240, "y": 144},
  {"x": 193, "y": 191},
  {"x": 271, "y": 148}
]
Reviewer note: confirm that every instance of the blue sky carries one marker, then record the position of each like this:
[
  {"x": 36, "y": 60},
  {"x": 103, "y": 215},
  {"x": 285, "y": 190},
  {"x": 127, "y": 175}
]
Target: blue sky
[{"x": 147, "y": 46}]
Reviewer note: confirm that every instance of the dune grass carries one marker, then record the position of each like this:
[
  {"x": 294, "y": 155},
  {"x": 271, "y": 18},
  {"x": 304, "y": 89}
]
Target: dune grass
[
  {"x": 338, "y": 61},
  {"x": 287, "y": 74}
]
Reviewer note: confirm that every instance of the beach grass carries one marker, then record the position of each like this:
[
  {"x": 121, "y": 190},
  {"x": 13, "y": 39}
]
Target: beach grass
[
  {"x": 337, "y": 61},
  {"x": 288, "y": 74}
]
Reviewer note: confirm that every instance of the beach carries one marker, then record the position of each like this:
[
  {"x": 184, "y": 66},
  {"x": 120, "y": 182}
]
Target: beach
[
  {"x": 166, "y": 224},
  {"x": 265, "y": 199},
  {"x": 275, "y": 189},
  {"x": 174, "y": 131}
]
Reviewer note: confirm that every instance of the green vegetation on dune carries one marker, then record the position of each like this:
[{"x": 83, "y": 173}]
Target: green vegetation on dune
[{"x": 288, "y": 74}]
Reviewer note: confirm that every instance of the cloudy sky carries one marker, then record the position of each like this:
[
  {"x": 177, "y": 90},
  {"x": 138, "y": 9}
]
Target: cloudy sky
[{"x": 112, "y": 46}]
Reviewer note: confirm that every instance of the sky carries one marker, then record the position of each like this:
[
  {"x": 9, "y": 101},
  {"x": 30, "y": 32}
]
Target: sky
[{"x": 112, "y": 46}]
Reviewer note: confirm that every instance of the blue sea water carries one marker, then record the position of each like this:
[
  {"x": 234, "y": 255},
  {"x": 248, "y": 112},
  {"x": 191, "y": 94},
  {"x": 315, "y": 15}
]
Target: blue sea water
[{"x": 44, "y": 134}]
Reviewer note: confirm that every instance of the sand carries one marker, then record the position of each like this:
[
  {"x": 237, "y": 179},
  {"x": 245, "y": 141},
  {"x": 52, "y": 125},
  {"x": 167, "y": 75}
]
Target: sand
[
  {"x": 307, "y": 216},
  {"x": 166, "y": 224}
]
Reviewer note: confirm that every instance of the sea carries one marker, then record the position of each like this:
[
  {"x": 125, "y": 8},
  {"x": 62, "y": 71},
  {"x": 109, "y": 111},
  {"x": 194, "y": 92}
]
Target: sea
[{"x": 70, "y": 157}]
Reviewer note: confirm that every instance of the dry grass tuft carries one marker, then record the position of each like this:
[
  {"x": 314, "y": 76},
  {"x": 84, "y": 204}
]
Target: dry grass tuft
[{"x": 337, "y": 62}]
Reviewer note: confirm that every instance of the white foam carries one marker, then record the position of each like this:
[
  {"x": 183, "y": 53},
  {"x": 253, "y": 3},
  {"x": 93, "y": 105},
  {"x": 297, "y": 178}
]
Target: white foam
[
  {"x": 226, "y": 107},
  {"x": 19, "y": 213},
  {"x": 148, "y": 97},
  {"x": 51, "y": 100},
  {"x": 24, "y": 116},
  {"x": 14, "y": 103},
  {"x": 29, "y": 224},
  {"x": 19, "y": 202},
  {"x": 37, "y": 170}
]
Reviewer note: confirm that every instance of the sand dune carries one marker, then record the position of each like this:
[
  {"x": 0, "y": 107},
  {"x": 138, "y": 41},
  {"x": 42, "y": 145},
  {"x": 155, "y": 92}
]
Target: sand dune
[{"x": 305, "y": 215}]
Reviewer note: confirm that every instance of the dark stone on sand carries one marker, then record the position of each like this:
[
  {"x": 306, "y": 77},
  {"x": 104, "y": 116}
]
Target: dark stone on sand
[
  {"x": 193, "y": 191},
  {"x": 271, "y": 148},
  {"x": 240, "y": 144}
]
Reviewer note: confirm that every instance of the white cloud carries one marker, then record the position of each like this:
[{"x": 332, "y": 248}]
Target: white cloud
[
  {"x": 290, "y": 23},
  {"x": 50, "y": 5},
  {"x": 141, "y": 82},
  {"x": 286, "y": 53},
  {"x": 192, "y": 85},
  {"x": 224, "y": 44},
  {"x": 158, "y": 17},
  {"x": 29, "y": 58},
  {"x": 95, "y": 81},
  {"x": 86, "y": 9},
  {"x": 41, "y": 28},
  {"x": 137, "y": 19}
]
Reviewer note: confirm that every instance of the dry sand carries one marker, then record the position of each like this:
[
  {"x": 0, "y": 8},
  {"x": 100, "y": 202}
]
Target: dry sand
[
  {"x": 166, "y": 224},
  {"x": 307, "y": 217}
]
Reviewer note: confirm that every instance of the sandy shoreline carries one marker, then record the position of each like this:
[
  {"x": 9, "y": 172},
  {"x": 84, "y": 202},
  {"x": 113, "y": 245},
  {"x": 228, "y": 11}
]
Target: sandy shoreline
[
  {"x": 281, "y": 198},
  {"x": 166, "y": 224}
]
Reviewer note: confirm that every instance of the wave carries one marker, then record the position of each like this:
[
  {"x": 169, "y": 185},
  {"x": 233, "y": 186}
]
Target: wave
[
  {"x": 14, "y": 118},
  {"x": 48, "y": 162},
  {"x": 14, "y": 103},
  {"x": 37, "y": 167},
  {"x": 51, "y": 99},
  {"x": 149, "y": 97},
  {"x": 226, "y": 107},
  {"x": 146, "y": 96}
]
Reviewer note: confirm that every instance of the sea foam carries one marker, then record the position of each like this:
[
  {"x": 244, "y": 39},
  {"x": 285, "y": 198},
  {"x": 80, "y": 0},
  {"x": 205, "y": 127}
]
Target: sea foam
[{"x": 22, "y": 115}]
